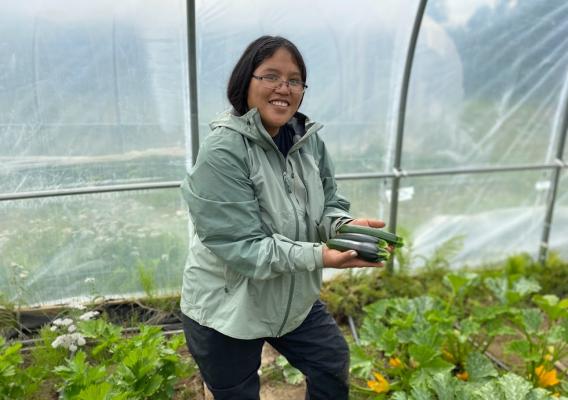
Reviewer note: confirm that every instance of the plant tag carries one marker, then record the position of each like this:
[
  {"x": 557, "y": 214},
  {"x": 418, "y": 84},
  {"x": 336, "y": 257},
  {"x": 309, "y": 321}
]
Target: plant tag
[{"x": 404, "y": 193}]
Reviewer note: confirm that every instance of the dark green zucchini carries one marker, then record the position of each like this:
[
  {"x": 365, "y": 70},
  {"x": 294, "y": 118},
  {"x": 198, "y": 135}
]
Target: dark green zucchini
[
  {"x": 391, "y": 238},
  {"x": 365, "y": 251},
  {"x": 360, "y": 237}
]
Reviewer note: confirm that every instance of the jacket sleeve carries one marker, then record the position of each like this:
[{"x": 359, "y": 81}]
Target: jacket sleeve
[
  {"x": 336, "y": 210},
  {"x": 226, "y": 214}
]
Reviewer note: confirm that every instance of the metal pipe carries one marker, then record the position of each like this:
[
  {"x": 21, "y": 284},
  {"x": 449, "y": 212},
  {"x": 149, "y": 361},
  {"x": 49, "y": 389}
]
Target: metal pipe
[
  {"x": 354, "y": 176},
  {"x": 353, "y": 330},
  {"x": 543, "y": 251},
  {"x": 90, "y": 190},
  {"x": 401, "y": 116},
  {"x": 451, "y": 171},
  {"x": 192, "y": 73}
]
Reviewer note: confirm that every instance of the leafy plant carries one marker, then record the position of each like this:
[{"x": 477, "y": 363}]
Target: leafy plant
[{"x": 432, "y": 346}]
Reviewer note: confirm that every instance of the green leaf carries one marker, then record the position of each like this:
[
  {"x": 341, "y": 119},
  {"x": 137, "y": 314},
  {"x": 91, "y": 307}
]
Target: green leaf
[
  {"x": 526, "y": 286},
  {"x": 361, "y": 364},
  {"x": 484, "y": 313},
  {"x": 443, "y": 385},
  {"x": 422, "y": 353},
  {"x": 539, "y": 394},
  {"x": 421, "y": 393},
  {"x": 99, "y": 391},
  {"x": 291, "y": 374},
  {"x": 499, "y": 287},
  {"x": 371, "y": 330},
  {"x": 469, "y": 327},
  {"x": 520, "y": 347},
  {"x": 389, "y": 341},
  {"x": 456, "y": 282},
  {"x": 513, "y": 387},
  {"x": 498, "y": 327},
  {"x": 437, "y": 365},
  {"x": 551, "y": 305},
  {"x": 479, "y": 367},
  {"x": 153, "y": 385},
  {"x": 532, "y": 320}
]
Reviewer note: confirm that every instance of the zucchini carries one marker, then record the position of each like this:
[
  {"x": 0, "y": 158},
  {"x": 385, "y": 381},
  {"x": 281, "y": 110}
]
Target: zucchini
[
  {"x": 390, "y": 238},
  {"x": 365, "y": 251},
  {"x": 360, "y": 237}
]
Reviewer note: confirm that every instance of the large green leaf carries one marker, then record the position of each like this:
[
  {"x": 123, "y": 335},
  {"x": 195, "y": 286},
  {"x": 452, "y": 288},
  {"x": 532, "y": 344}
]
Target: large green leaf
[
  {"x": 526, "y": 286},
  {"x": 513, "y": 387},
  {"x": 361, "y": 364},
  {"x": 479, "y": 368},
  {"x": 532, "y": 320},
  {"x": 443, "y": 385}
]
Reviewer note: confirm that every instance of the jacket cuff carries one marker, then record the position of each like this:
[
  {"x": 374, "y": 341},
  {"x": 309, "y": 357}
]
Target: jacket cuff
[{"x": 312, "y": 256}]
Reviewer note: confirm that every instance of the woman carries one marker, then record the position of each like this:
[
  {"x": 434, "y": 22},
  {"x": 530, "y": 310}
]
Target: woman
[{"x": 262, "y": 199}]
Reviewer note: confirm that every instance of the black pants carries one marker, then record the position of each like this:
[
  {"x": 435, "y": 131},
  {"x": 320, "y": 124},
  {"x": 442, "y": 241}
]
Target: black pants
[{"x": 229, "y": 366}]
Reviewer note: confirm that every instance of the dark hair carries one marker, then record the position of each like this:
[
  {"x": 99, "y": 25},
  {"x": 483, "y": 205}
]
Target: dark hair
[{"x": 259, "y": 50}]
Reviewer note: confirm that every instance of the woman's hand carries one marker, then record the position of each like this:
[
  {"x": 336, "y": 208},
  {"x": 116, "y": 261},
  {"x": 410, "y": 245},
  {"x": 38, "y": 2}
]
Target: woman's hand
[
  {"x": 346, "y": 259},
  {"x": 372, "y": 223}
]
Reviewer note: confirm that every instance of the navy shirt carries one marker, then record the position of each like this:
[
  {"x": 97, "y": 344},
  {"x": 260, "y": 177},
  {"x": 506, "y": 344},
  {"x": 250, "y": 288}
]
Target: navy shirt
[{"x": 284, "y": 139}]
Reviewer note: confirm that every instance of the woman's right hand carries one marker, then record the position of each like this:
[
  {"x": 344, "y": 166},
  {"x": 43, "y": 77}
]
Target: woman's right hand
[{"x": 346, "y": 259}]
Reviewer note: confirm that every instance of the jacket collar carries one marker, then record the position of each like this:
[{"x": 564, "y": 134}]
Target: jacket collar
[{"x": 250, "y": 125}]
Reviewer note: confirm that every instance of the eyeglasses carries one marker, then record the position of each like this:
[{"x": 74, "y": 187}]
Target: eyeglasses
[{"x": 274, "y": 82}]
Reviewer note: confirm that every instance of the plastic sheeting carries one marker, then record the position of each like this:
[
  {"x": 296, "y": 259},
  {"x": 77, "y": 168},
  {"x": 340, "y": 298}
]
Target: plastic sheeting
[{"x": 95, "y": 93}]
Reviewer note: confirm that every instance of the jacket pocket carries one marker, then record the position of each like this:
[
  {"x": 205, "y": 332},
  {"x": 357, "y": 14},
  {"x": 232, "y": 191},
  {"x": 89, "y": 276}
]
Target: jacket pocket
[{"x": 232, "y": 278}]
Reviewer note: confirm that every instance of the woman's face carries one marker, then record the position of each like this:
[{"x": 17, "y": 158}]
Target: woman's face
[{"x": 276, "y": 106}]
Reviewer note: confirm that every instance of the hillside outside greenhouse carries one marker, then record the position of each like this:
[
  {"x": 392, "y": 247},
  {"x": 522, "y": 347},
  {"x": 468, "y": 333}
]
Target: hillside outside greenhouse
[{"x": 183, "y": 183}]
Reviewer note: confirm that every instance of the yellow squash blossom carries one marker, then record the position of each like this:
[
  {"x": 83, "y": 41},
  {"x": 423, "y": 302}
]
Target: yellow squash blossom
[
  {"x": 395, "y": 362},
  {"x": 464, "y": 376},
  {"x": 546, "y": 378},
  {"x": 380, "y": 384}
]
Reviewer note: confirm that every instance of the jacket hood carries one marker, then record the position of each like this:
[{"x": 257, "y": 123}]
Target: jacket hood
[{"x": 246, "y": 124}]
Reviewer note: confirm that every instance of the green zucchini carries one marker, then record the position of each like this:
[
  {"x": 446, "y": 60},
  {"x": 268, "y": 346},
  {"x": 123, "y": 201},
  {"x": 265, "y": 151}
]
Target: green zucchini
[
  {"x": 360, "y": 237},
  {"x": 366, "y": 251},
  {"x": 390, "y": 238}
]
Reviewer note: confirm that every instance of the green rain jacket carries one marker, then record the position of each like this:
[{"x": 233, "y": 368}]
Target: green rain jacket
[{"x": 257, "y": 220}]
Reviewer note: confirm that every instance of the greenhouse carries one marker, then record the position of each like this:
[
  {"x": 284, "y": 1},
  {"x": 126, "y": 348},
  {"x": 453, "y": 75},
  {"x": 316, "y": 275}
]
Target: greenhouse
[{"x": 446, "y": 119}]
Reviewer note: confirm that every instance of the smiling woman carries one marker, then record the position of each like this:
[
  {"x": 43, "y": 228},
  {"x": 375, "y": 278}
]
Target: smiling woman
[
  {"x": 274, "y": 91},
  {"x": 262, "y": 198}
]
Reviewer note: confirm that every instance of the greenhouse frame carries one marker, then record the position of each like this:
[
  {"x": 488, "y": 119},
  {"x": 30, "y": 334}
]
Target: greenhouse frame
[
  {"x": 446, "y": 119},
  {"x": 442, "y": 100}
]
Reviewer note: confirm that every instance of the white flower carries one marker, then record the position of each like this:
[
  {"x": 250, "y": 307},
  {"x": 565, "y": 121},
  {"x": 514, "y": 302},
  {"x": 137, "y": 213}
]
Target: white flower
[
  {"x": 89, "y": 315},
  {"x": 165, "y": 257},
  {"x": 53, "y": 328},
  {"x": 23, "y": 274},
  {"x": 70, "y": 341},
  {"x": 71, "y": 328},
  {"x": 90, "y": 280}
]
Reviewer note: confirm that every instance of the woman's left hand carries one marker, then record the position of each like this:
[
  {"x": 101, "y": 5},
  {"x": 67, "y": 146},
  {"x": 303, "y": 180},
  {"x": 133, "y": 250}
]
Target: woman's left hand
[{"x": 373, "y": 223}]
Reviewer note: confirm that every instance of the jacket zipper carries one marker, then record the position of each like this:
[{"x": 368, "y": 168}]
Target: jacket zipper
[{"x": 296, "y": 237}]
